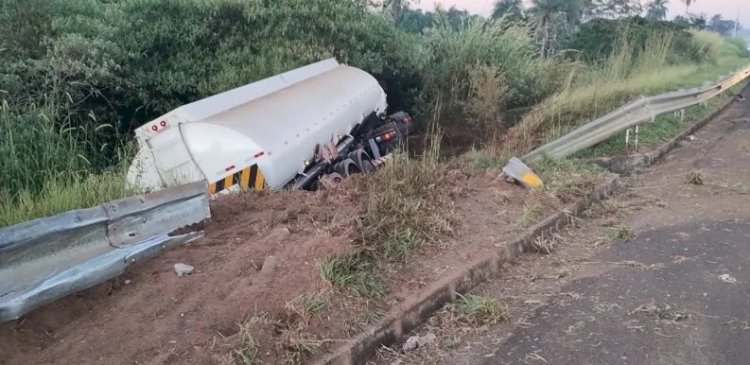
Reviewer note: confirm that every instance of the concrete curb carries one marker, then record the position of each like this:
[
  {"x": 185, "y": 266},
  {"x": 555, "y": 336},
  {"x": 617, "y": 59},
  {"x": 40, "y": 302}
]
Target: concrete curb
[
  {"x": 411, "y": 313},
  {"x": 628, "y": 164}
]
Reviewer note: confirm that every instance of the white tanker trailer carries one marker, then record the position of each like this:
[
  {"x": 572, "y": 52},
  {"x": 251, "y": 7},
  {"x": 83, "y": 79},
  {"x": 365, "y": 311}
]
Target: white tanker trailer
[{"x": 284, "y": 131}]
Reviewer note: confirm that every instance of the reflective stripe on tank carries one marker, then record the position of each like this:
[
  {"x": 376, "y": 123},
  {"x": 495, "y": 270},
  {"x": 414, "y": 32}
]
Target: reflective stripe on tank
[{"x": 249, "y": 178}]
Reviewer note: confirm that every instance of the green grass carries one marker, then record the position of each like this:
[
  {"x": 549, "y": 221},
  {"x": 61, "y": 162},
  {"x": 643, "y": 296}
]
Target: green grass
[
  {"x": 480, "y": 310},
  {"x": 353, "y": 271},
  {"x": 62, "y": 195}
]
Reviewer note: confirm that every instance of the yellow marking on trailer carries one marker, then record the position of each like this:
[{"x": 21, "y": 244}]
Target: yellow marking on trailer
[
  {"x": 245, "y": 184},
  {"x": 260, "y": 181},
  {"x": 228, "y": 181}
]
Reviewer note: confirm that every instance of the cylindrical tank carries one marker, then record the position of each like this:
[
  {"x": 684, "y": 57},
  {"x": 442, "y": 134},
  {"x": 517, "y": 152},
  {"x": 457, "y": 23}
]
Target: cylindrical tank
[{"x": 273, "y": 123}]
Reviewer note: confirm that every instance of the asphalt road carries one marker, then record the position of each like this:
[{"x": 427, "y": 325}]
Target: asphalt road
[{"x": 678, "y": 292}]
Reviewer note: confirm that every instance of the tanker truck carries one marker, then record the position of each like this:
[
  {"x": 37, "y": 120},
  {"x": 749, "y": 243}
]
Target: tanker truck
[{"x": 286, "y": 131}]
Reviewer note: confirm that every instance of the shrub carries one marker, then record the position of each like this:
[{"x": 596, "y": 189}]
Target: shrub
[
  {"x": 705, "y": 46},
  {"x": 736, "y": 46}
]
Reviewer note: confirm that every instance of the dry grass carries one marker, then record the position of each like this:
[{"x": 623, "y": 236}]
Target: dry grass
[
  {"x": 486, "y": 98},
  {"x": 543, "y": 245},
  {"x": 532, "y": 214},
  {"x": 567, "y": 178},
  {"x": 403, "y": 207},
  {"x": 694, "y": 178},
  {"x": 301, "y": 348},
  {"x": 308, "y": 305}
]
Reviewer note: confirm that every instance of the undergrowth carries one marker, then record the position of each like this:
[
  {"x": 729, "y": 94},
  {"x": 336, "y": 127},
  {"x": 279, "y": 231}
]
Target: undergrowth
[
  {"x": 405, "y": 208},
  {"x": 567, "y": 178}
]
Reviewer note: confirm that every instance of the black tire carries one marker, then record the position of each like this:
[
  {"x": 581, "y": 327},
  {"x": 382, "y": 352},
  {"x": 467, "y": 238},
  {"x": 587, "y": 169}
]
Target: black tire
[
  {"x": 346, "y": 168},
  {"x": 362, "y": 160}
]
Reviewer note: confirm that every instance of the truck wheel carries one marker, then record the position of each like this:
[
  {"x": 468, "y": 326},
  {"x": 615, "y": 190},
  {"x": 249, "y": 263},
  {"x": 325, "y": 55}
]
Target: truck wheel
[
  {"x": 346, "y": 168},
  {"x": 362, "y": 160}
]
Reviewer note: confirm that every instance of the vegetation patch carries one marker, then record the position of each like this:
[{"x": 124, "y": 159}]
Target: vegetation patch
[
  {"x": 694, "y": 178},
  {"x": 621, "y": 232},
  {"x": 477, "y": 310}
]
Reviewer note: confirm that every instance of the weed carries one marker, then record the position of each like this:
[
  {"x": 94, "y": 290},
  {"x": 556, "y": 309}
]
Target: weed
[
  {"x": 479, "y": 310},
  {"x": 448, "y": 343},
  {"x": 543, "y": 245},
  {"x": 532, "y": 213},
  {"x": 299, "y": 349},
  {"x": 353, "y": 271},
  {"x": 567, "y": 178},
  {"x": 308, "y": 305},
  {"x": 694, "y": 178},
  {"x": 248, "y": 351},
  {"x": 620, "y": 231}
]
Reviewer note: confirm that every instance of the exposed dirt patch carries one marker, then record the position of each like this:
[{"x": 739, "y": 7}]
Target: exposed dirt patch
[{"x": 256, "y": 286}]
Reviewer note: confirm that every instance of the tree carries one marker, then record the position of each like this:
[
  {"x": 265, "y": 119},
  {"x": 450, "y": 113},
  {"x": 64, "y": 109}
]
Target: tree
[
  {"x": 415, "y": 21},
  {"x": 699, "y": 21},
  {"x": 613, "y": 9},
  {"x": 657, "y": 10},
  {"x": 687, "y": 4},
  {"x": 552, "y": 17},
  {"x": 722, "y": 26},
  {"x": 512, "y": 9}
]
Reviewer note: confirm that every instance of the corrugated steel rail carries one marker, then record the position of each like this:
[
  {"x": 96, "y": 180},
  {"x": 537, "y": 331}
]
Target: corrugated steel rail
[
  {"x": 633, "y": 114},
  {"x": 46, "y": 259}
]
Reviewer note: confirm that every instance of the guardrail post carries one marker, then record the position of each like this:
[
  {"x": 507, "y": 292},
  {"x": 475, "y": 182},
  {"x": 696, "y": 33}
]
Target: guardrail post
[{"x": 627, "y": 137}]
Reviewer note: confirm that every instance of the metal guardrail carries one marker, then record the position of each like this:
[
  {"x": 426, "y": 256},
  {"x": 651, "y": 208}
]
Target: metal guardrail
[
  {"x": 46, "y": 259},
  {"x": 630, "y": 115}
]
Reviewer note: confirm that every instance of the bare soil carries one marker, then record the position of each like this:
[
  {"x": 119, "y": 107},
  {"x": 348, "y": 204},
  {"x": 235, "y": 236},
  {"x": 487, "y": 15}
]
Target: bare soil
[
  {"x": 258, "y": 258},
  {"x": 152, "y": 316}
]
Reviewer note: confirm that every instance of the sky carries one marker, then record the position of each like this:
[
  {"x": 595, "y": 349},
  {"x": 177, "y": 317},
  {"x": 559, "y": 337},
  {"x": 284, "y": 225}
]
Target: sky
[{"x": 727, "y": 8}]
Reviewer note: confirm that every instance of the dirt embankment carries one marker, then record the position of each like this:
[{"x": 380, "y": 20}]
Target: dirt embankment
[{"x": 257, "y": 270}]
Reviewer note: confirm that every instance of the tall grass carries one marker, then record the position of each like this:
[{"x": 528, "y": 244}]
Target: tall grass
[
  {"x": 707, "y": 46},
  {"x": 60, "y": 195},
  {"x": 506, "y": 47},
  {"x": 736, "y": 46},
  {"x": 44, "y": 170},
  {"x": 406, "y": 207},
  {"x": 624, "y": 76}
]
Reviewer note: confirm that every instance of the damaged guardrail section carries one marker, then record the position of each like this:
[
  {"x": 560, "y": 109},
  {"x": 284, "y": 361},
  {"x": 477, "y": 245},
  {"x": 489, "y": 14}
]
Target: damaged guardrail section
[
  {"x": 633, "y": 114},
  {"x": 48, "y": 258}
]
